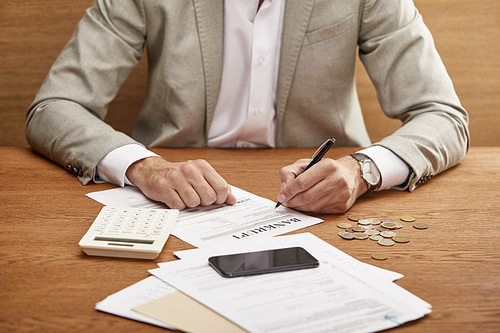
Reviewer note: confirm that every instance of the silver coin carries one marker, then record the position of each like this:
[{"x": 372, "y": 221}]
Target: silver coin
[
  {"x": 386, "y": 242},
  {"x": 399, "y": 225},
  {"x": 346, "y": 235},
  {"x": 376, "y": 237},
  {"x": 371, "y": 232},
  {"x": 365, "y": 222},
  {"x": 387, "y": 234},
  {"x": 367, "y": 227}
]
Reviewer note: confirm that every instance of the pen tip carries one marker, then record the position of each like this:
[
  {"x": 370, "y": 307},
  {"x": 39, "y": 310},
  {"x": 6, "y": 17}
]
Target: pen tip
[{"x": 277, "y": 205}]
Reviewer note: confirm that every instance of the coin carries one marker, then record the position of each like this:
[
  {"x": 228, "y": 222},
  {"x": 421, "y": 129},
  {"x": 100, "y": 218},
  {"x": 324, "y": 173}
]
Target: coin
[
  {"x": 386, "y": 242},
  {"x": 365, "y": 222},
  {"x": 371, "y": 232},
  {"x": 359, "y": 235},
  {"x": 420, "y": 226},
  {"x": 346, "y": 235},
  {"x": 375, "y": 221},
  {"x": 389, "y": 225},
  {"x": 367, "y": 227},
  {"x": 349, "y": 230},
  {"x": 407, "y": 218},
  {"x": 355, "y": 217},
  {"x": 376, "y": 237},
  {"x": 344, "y": 225},
  {"x": 379, "y": 228},
  {"x": 358, "y": 229},
  {"x": 400, "y": 239},
  {"x": 387, "y": 234},
  {"x": 386, "y": 219},
  {"x": 398, "y": 225},
  {"x": 379, "y": 256}
]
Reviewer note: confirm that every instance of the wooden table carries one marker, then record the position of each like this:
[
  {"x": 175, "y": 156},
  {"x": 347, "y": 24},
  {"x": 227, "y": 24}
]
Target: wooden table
[{"x": 49, "y": 285}]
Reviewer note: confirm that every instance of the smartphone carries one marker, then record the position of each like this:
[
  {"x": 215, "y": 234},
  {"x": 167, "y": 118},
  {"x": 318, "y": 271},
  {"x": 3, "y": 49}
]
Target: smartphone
[{"x": 261, "y": 262}]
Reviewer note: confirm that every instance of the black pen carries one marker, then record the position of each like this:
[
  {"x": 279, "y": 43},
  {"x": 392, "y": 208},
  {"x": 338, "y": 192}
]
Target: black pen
[{"x": 318, "y": 155}]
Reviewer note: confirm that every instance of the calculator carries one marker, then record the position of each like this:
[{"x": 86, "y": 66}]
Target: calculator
[{"x": 128, "y": 232}]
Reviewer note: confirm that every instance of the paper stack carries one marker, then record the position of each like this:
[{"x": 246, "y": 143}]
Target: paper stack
[{"x": 341, "y": 295}]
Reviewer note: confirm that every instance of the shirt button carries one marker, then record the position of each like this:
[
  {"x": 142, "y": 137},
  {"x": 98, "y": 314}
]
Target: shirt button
[
  {"x": 256, "y": 113},
  {"x": 260, "y": 60}
]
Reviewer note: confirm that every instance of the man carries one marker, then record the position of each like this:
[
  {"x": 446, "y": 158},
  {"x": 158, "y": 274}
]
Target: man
[{"x": 243, "y": 73}]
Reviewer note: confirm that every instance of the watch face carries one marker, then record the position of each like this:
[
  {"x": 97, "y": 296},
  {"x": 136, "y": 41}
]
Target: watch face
[{"x": 370, "y": 173}]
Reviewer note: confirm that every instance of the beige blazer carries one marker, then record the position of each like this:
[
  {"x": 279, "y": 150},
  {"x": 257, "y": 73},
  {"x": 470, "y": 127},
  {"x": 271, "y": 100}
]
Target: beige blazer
[{"x": 316, "y": 96}]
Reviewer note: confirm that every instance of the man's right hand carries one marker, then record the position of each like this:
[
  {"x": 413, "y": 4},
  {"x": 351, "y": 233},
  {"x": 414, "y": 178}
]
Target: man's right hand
[{"x": 180, "y": 185}]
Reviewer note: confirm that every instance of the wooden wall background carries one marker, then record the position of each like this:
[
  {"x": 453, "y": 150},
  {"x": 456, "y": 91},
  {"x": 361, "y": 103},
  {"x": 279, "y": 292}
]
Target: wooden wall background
[{"x": 466, "y": 32}]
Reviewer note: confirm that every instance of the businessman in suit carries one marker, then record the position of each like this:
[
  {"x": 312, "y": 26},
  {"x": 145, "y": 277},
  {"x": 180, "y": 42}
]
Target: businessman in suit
[{"x": 242, "y": 73}]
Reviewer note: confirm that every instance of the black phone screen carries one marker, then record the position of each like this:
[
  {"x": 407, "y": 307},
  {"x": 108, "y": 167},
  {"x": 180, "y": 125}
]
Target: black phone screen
[{"x": 261, "y": 262}]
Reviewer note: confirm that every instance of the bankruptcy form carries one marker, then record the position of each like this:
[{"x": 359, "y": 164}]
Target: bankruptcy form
[{"x": 251, "y": 217}]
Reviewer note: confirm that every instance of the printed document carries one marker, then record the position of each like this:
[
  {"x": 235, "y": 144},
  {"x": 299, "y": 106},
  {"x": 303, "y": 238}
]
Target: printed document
[
  {"x": 251, "y": 217},
  {"x": 329, "y": 298}
]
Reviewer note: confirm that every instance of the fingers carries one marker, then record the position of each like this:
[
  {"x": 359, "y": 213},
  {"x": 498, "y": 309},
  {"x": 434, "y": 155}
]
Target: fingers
[
  {"x": 181, "y": 185},
  {"x": 290, "y": 172},
  {"x": 197, "y": 183},
  {"x": 327, "y": 187}
]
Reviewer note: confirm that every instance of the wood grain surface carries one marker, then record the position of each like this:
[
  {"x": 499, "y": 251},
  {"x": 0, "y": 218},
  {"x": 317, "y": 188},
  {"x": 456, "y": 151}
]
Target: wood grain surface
[{"x": 49, "y": 285}]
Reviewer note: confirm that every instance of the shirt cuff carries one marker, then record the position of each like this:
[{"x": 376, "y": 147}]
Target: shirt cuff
[
  {"x": 114, "y": 165},
  {"x": 393, "y": 169}
]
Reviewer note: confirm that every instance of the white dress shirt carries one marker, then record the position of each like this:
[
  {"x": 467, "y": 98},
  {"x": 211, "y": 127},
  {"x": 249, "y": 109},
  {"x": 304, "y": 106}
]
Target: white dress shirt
[{"x": 245, "y": 111}]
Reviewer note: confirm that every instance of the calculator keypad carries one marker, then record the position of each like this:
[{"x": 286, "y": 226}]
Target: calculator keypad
[{"x": 134, "y": 222}]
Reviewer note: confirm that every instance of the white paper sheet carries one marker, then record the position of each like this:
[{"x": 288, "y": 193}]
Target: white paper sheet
[
  {"x": 335, "y": 256},
  {"x": 144, "y": 291},
  {"x": 252, "y": 216},
  {"x": 331, "y": 298}
]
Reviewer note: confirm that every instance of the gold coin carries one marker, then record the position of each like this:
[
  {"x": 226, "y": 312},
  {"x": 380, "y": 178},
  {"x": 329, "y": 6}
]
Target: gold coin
[
  {"x": 381, "y": 229},
  {"x": 400, "y": 239},
  {"x": 358, "y": 229},
  {"x": 386, "y": 219},
  {"x": 389, "y": 225},
  {"x": 355, "y": 217},
  {"x": 379, "y": 256},
  {"x": 344, "y": 225},
  {"x": 407, "y": 218},
  {"x": 420, "y": 226},
  {"x": 375, "y": 221},
  {"x": 359, "y": 235}
]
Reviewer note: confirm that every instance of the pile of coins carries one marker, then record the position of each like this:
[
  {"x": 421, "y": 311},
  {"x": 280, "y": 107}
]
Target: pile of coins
[{"x": 383, "y": 231}]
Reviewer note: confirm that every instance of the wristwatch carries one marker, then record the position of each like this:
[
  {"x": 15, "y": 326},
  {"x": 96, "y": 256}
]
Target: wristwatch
[{"x": 369, "y": 171}]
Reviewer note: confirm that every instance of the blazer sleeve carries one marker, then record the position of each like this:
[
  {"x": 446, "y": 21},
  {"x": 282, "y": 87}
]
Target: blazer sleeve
[
  {"x": 65, "y": 121},
  {"x": 412, "y": 85}
]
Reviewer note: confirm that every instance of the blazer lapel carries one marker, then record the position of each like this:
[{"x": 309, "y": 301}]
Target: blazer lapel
[
  {"x": 297, "y": 15},
  {"x": 209, "y": 15}
]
